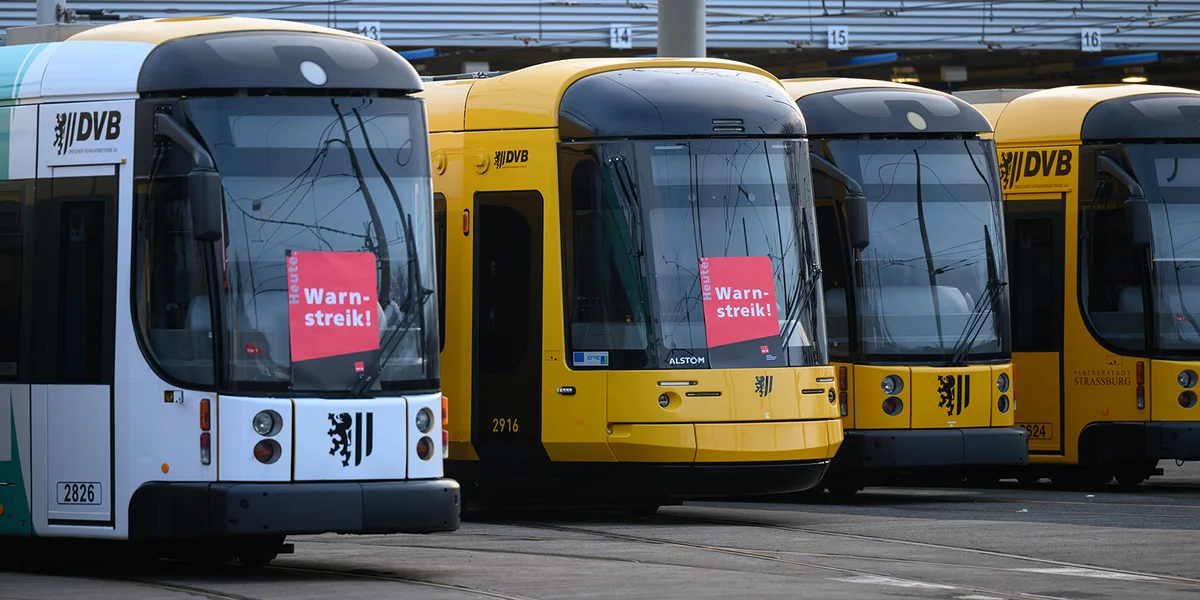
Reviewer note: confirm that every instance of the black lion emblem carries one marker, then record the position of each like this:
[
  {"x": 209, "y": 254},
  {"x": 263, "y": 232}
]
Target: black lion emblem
[{"x": 340, "y": 434}]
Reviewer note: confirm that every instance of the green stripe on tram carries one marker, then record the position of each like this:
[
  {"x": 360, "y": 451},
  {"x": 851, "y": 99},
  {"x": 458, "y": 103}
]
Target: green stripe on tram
[
  {"x": 16, "y": 517},
  {"x": 15, "y": 62}
]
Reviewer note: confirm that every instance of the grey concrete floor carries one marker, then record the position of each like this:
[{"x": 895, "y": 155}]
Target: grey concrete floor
[{"x": 1003, "y": 542}]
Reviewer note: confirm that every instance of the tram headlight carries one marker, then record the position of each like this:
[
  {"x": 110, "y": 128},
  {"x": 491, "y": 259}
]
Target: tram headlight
[
  {"x": 1002, "y": 383},
  {"x": 1187, "y": 379},
  {"x": 892, "y": 384},
  {"x": 893, "y": 406},
  {"x": 425, "y": 448},
  {"x": 424, "y": 420},
  {"x": 267, "y": 423}
]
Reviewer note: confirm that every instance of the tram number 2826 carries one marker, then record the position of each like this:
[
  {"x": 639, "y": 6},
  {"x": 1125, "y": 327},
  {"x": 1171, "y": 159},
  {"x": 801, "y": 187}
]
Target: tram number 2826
[{"x": 78, "y": 493}]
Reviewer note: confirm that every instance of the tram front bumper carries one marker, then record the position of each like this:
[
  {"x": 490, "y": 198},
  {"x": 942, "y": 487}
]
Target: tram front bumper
[
  {"x": 161, "y": 510},
  {"x": 1173, "y": 440},
  {"x": 904, "y": 449}
]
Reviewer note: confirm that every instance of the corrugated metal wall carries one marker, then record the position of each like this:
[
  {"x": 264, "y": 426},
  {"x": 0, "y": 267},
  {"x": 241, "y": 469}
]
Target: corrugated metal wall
[{"x": 732, "y": 24}]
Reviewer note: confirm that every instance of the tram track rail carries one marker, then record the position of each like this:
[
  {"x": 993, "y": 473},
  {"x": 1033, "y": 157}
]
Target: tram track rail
[
  {"x": 774, "y": 556},
  {"x": 1049, "y": 562}
]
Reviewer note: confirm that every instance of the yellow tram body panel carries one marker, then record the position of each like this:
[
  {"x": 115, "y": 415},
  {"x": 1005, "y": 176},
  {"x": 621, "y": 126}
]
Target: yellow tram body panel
[
  {"x": 1090, "y": 401},
  {"x": 494, "y": 135}
]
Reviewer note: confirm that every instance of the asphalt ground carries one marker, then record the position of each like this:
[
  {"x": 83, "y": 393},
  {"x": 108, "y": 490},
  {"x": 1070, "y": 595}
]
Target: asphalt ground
[{"x": 1008, "y": 541}]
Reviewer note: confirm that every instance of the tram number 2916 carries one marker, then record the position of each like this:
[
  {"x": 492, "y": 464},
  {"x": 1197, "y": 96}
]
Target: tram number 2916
[{"x": 78, "y": 493}]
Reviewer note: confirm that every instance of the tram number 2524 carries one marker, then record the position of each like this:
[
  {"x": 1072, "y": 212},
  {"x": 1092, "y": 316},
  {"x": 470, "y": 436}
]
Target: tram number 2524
[
  {"x": 78, "y": 493},
  {"x": 504, "y": 425}
]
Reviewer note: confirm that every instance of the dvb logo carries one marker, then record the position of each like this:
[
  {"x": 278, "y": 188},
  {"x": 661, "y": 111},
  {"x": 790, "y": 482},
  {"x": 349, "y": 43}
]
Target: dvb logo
[
  {"x": 506, "y": 158},
  {"x": 71, "y": 127}
]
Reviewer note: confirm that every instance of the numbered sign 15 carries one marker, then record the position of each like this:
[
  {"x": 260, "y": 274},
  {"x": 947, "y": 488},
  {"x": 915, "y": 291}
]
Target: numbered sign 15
[
  {"x": 369, "y": 29},
  {"x": 839, "y": 37},
  {"x": 1091, "y": 40}
]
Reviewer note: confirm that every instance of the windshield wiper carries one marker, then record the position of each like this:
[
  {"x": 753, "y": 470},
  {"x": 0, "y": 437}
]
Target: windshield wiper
[
  {"x": 983, "y": 308},
  {"x": 632, "y": 203},
  {"x": 416, "y": 295},
  {"x": 806, "y": 288}
]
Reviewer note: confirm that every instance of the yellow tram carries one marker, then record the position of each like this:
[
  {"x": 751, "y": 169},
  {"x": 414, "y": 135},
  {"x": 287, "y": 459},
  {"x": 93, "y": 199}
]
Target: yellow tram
[
  {"x": 627, "y": 259},
  {"x": 1099, "y": 188},
  {"x": 915, "y": 281}
]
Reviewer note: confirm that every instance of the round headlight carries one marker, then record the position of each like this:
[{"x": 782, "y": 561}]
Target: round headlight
[
  {"x": 1002, "y": 383},
  {"x": 893, "y": 406},
  {"x": 425, "y": 448},
  {"x": 424, "y": 420},
  {"x": 832, "y": 396},
  {"x": 664, "y": 401},
  {"x": 1187, "y": 378},
  {"x": 1002, "y": 405},
  {"x": 267, "y": 423},
  {"x": 1187, "y": 399},
  {"x": 267, "y": 451},
  {"x": 892, "y": 384}
]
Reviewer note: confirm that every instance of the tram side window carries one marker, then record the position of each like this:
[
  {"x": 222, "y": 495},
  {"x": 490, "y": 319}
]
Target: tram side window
[
  {"x": 1114, "y": 277},
  {"x": 439, "y": 241},
  {"x": 10, "y": 284},
  {"x": 835, "y": 280},
  {"x": 172, "y": 291}
]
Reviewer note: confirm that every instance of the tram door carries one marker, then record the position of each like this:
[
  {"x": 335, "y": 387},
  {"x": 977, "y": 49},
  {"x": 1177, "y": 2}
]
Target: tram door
[
  {"x": 1036, "y": 234},
  {"x": 506, "y": 428},
  {"x": 73, "y": 306}
]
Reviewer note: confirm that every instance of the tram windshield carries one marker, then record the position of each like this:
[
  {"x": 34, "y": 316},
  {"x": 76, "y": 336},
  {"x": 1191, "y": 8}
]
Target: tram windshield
[
  {"x": 932, "y": 280},
  {"x": 691, "y": 254},
  {"x": 341, "y": 182},
  {"x": 1170, "y": 177}
]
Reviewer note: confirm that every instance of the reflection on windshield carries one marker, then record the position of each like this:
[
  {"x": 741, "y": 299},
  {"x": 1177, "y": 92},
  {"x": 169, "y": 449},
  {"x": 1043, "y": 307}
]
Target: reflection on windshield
[
  {"x": 1170, "y": 176},
  {"x": 292, "y": 184},
  {"x": 934, "y": 211},
  {"x": 643, "y": 215}
]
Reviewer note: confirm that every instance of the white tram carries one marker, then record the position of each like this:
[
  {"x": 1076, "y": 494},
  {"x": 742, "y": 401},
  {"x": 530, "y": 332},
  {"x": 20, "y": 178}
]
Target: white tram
[{"x": 218, "y": 320}]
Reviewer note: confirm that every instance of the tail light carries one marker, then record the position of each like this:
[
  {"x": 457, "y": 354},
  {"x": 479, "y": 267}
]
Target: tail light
[
  {"x": 1141, "y": 388},
  {"x": 205, "y": 448},
  {"x": 445, "y": 444},
  {"x": 445, "y": 411},
  {"x": 844, "y": 403},
  {"x": 205, "y": 415},
  {"x": 843, "y": 384}
]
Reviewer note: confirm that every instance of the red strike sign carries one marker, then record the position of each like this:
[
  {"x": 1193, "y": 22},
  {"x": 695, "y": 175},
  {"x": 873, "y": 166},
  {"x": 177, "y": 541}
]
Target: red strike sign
[
  {"x": 332, "y": 309},
  {"x": 739, "y": 299}
]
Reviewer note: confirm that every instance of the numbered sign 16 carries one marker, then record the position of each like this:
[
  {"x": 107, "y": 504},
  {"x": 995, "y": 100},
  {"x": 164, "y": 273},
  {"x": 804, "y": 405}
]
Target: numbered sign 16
[
  {"x": 1091, "y": 40},
  {"x": 839, "y": 37}
]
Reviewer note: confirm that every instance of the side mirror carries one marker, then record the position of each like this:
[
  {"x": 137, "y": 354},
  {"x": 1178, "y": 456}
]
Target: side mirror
[
  {"x": 857, "y": 221},
  {"x": 204, "y": 182},
  {"x": 856, "y": 202},
  {"x": 1137, "y": 218},
  {"x": 205, "y": 197},
  {"x": 1137, "y": 209}
]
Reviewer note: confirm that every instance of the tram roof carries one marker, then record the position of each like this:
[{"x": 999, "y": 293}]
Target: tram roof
[
  {"x": 853, "y": 106},
  {"x": 530, "y": 98},
  {"x": 1071, "y": 114},
  {"x": 166, "y": 29}
]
